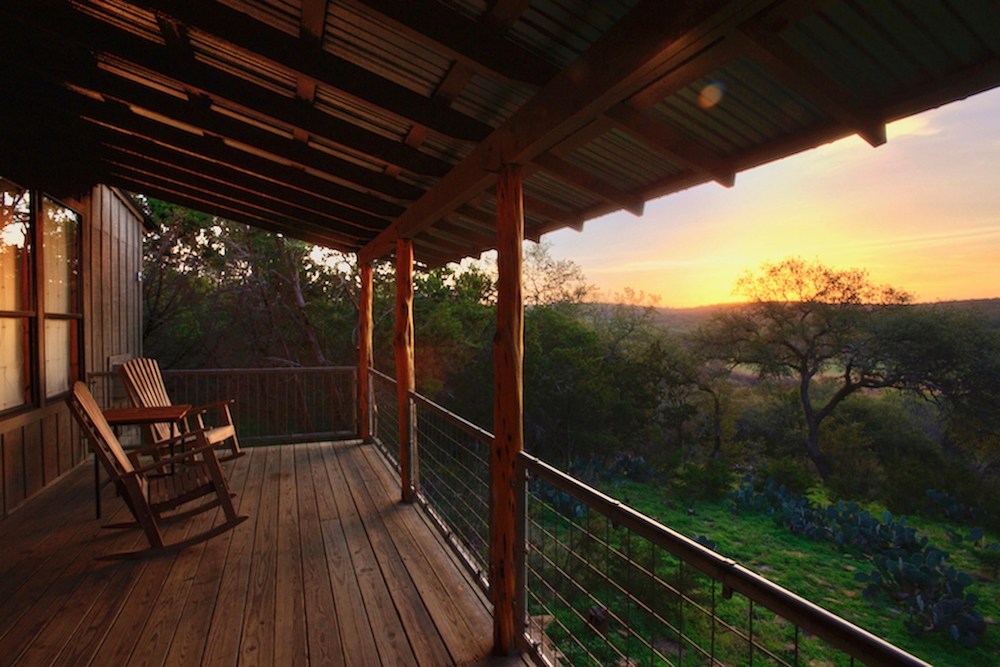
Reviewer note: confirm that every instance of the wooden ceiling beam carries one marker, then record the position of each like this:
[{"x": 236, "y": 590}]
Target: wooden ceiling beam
[
  {"x": 211, "y": 149},
  {"x": 260, "y": 40},
  {"x": 122, "y": 162},
  {"x": 479, "y": 45},
  {"x": 589, "y": 183},
  {"x": 208, "y": 120},
  {"x": 648, "y": 42},
  {"x": 229, "y": 176},
  {"x": 234, "y": 211},
  {"x": 673, "y": 143},
  {"x": 122, "y": 50}
]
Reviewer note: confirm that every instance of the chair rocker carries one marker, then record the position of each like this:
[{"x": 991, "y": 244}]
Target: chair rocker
[
  {"x": 144, "y": 384},
  {"x": 151, "y": 496}
]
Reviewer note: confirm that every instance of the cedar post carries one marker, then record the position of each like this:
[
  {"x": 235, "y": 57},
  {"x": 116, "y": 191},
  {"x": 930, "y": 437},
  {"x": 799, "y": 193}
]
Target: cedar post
[
  {"x": 405, "y": 378},
  {"x": 365, "y": 354},
  {"x": 506, "y": 555}
]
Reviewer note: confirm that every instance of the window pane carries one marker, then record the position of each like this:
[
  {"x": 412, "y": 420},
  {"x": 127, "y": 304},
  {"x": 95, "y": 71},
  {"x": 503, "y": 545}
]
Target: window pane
[
  {"x": 13, "y": 389},
  {"x": 60, "y": 355},
  {"x": 61, "y": 228},
  {"x": 15, "y": 212}
]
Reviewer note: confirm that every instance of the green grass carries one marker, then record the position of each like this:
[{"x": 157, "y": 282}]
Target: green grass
[{"x": 824, "y": 574}]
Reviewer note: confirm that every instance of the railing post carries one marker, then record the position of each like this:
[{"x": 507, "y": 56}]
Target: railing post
[
  {"x": 365, "y": 354},
  {"x": 403, "y": 348},
  {"x": 508, "y": 416}
]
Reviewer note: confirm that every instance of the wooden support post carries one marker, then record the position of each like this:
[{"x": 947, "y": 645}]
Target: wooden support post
[
  {"x": 506, "y": 555},
  {"x": 365, "y": 361},
  {"x": 405, "y": 377}
]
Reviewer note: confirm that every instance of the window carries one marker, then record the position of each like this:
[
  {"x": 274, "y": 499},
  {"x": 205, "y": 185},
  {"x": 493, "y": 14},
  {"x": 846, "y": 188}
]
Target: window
[
  {"x": 16, "y": 296},
  {"x": 61, "y": 271},
  {"x": 52, "y": 315}
]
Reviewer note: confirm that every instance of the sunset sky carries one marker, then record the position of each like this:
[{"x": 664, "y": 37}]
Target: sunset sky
[{"x": 921, "y": 213}]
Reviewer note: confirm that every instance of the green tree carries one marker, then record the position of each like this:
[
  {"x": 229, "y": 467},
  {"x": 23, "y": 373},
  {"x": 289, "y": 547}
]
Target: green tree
[{"x": 822, "y": 326}]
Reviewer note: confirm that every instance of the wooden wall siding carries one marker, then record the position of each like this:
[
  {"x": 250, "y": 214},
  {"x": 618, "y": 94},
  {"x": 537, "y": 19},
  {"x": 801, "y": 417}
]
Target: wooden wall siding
[{"x": 41, "y": 445}]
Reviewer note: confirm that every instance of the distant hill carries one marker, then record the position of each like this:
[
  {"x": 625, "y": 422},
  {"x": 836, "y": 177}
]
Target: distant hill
[{"x": 688, "y": 319}]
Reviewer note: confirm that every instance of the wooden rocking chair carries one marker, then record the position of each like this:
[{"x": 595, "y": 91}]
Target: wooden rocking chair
[
  {"x": 148, "y": 493},
  {"x": 144, "y": 384}
]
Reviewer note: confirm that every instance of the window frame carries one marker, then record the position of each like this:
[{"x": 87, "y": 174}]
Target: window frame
[{"x": 35, "y": 316}]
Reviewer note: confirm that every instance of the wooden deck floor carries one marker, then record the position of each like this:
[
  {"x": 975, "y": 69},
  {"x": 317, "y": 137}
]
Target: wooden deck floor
[{"x": 330, "y": 569}]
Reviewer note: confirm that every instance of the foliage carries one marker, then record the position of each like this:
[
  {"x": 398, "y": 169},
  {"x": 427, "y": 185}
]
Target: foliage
[
  {"x": 834, "y": 334},
  {"x": 907, "y": 567}
]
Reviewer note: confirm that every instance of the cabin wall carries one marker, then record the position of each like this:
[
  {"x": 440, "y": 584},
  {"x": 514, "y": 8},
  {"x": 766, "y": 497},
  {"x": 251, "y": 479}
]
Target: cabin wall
[{"x": 40, "y": 445}]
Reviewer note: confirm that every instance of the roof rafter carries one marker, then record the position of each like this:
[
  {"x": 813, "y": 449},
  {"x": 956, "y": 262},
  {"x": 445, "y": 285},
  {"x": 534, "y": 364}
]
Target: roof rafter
[{"x": 292, "y": 55}]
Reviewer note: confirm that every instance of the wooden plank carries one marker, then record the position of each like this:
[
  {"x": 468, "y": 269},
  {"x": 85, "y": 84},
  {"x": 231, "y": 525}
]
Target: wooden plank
[
  {"x": 508, "y": 411},
  {"x": 34, "y": 465},
  {"x": 322, "y": 621},
  {"x": 64, "y": 441},
  {"x": 257, "y": 643},
  {"x": 157, "y": 637},
  {"x": 38, "y": 539},
  {"x": 13, "y": 469},
  {"x": 191, "y": 635},
  {"x": 222, "y": 647},
  {"x": 291, "y": 646},
  {"x": 405, "y": 377},
  {"x": 393, "y": 648},
  {"x": 25, "y": 613},
  {"x": 49, "y": 445},
  {"x": 458, "y": 608},
  {"x": 425, "y": 640},
  {"x": 74, "y": 596}
]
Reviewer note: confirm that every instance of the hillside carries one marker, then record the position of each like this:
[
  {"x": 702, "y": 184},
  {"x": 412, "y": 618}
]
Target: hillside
[{"x": 688, "y": 319}]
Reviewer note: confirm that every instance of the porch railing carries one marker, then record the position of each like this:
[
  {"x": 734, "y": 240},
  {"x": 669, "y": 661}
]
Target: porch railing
[
  {"x": 604, "y": 584},
  {"x": 271, "y": 405},
  {"x": 276, "y": 405}
]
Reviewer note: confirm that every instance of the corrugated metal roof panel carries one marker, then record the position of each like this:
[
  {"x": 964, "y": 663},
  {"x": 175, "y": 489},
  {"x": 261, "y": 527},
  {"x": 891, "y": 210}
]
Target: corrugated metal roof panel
[
  {"x": 558, "y": 193},
  {"x": 281, "y": 14},
  {"x": 751, "y": 107},
  {"x": 489, "y": 101},
  {"x": 560, "y": 30},
  {"x": 368, "y": 42},
  {"x": 875, "y": 49},
  {"x": 237, "y": 62},
  {"x": 125, "y": 16},
  {"x": 445, "y": 149},
  {"x": 622, "y": 161},
  {"x": 344, "y": 107}
]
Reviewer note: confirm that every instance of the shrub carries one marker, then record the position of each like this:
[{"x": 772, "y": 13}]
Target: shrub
[
  {"x": 791, "y": 472},
  {"x": 710, "y": 480},
  {"x": 907, "y": 568}
]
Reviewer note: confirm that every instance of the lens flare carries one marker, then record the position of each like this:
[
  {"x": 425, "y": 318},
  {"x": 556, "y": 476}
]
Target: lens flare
[{"x": 711, "y": 95}]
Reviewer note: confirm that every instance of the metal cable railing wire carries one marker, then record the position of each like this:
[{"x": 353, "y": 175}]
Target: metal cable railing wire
[
  {"x": 607, "y": 585},
  {"x": 385, "y": 415},
  {"x": 454, "y": 479}
]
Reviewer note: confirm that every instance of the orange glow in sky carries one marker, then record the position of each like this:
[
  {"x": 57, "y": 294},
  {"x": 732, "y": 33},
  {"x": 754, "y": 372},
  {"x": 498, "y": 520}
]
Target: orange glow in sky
[{"x": 921, "y": 213}]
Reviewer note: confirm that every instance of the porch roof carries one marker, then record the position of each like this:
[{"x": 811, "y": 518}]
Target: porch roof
[
  {"x": 356, "y": 122},
  {"x": 330, "y": 569}
]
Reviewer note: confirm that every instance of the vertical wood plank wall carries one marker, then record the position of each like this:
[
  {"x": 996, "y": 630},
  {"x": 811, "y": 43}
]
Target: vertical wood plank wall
[{"x": 40, "y": 445}]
